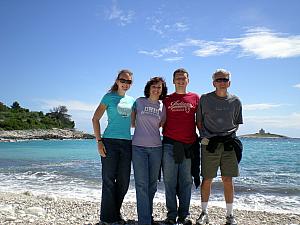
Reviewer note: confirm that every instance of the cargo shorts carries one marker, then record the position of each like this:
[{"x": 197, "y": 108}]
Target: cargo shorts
[{"x": 226, "y": 160}]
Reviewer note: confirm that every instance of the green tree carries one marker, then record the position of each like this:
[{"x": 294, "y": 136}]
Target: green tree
[
  {"x": 18, "y": 118},
  {"x": 15, "y": 105},
  {"x": 60, "y": 113},
  {"x": 3, "y": 107}
]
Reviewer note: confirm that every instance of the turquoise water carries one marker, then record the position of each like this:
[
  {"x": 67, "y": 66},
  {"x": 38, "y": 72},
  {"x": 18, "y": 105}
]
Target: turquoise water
[{"x": 270, "y": 173}]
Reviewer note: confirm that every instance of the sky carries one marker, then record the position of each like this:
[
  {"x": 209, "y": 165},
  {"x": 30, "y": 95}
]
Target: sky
[{"x": 69, "y": 52}]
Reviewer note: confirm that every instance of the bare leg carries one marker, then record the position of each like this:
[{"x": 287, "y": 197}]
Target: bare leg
[
  {"x": 205, "y": 189},
  {"x": 228, "y": 189}
]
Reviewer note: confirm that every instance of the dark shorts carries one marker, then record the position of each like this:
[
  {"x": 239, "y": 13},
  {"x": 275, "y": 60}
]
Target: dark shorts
[{"x": 226, "y": 160}]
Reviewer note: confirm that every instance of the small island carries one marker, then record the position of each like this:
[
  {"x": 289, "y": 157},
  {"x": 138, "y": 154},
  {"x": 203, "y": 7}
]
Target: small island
[
  {"x": 262, "y": 134},
  {"x": 18, "y": 123}
]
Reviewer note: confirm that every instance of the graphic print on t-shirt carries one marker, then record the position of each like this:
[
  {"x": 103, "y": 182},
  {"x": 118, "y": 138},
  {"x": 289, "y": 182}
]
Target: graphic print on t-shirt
[
  {"x": 148, "y": 110},
  {"x": 124, "y": 107},
  {"x": 180, "y": 106}
]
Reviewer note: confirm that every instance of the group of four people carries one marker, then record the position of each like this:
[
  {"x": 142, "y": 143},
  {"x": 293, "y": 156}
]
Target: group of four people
[{"x": 217, "y": 116}]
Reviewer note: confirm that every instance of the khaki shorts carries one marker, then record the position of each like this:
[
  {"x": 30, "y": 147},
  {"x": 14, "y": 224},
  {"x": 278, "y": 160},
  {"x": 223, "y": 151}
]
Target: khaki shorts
[{"x": 226, "y": 160}]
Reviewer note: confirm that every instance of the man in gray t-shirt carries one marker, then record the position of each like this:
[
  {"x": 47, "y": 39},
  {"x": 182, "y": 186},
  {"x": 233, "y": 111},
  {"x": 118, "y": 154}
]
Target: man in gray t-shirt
[{"x": 218, "y": 118}]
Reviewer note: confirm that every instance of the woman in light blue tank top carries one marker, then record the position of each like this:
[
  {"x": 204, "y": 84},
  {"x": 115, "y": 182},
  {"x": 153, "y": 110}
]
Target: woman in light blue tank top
[
  {"x": 114, "y": 146},
  {"x": 147, "y": 117}
]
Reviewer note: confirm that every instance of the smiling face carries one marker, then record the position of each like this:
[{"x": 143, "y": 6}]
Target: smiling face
[
  {"x": 181, "y": 80},
  {"x": 124, "y": 82},
  {"x": 221, "y": 81},
  {"x": 156, "y": 90}
]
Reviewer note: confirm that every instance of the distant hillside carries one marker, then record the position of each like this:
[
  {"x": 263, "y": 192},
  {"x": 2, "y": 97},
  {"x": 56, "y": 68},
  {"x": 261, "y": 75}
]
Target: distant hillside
[
  {"x": 18, "y": 118},
  {"x": 265, "y": 135}
]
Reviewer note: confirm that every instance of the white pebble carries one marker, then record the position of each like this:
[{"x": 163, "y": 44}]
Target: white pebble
[
  {"x": 10, "y": 218},
  {"x": 37, "y": 211}
]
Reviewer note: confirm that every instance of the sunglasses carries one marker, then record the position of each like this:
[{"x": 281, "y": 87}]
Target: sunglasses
[
  {"x": 219, "y": 80},
  {"x": 124, "y": 81}
]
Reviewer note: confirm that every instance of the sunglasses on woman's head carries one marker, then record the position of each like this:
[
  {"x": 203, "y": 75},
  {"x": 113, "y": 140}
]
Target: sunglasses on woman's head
[{"x": 124, "y": 81}]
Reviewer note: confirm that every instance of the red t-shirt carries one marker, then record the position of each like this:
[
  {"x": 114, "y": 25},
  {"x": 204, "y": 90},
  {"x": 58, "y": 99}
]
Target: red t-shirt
[{"x": 180, "y": 124}]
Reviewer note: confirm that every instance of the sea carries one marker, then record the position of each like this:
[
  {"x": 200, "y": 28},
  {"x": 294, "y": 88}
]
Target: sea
[{"x": 269, "y": 173}]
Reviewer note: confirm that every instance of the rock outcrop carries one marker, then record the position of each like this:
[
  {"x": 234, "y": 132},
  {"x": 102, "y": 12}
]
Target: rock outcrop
[{"x": 54, "y": 133}]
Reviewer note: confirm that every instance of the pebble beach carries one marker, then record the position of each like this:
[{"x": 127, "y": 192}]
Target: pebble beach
[{"x": 26, "y": 208}]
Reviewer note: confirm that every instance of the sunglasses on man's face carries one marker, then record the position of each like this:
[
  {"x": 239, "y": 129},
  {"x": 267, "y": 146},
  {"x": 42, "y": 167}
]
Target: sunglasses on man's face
[
  {"x": 219, "y": 80},
  {"x": 124, "y": 81}
]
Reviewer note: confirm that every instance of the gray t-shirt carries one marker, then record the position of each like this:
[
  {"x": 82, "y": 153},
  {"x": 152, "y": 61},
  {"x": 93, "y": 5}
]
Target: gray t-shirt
[
  {"x": 219, "y": 116},
  {"x": 148, "y": 117}
]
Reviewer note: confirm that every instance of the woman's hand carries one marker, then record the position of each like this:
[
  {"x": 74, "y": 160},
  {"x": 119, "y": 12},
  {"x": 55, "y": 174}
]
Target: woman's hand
[{"x": 101, "y": 149}]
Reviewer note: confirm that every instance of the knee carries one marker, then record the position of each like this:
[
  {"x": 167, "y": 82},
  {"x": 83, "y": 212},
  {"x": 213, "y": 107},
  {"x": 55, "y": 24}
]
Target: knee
[
  {"x": 227, "y": 180},
  {"x": 206, "y": 182}
]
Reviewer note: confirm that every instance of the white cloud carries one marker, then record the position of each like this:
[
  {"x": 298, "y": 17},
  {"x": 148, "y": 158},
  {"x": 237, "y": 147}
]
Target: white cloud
[
  {"x": 173, "y": 59},
  {"x": 264, "y": 44},
  {"x": 259, "y": 42},
  {"x": 159, "y": 25},
  {"x": 297, "y": 86},
  {"x": 261, "y": 106},
  {"x": 210, "y": 48},
  {"x": 123, "y": 18},
  {"x": 83, "y": 120},
  {"x": 156, "y": 26},
  {"x": 288, "y": 121},
  {"x": 180, "y": 26},
  {"x": 172, "y": 50},
  {"x": 72, "y": 105}
]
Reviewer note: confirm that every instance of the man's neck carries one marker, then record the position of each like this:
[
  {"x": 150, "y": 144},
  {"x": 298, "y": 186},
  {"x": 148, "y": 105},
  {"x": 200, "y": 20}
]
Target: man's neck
[
  {"x": 221, "y": 93},
  {"x": 180, "y": 91}
]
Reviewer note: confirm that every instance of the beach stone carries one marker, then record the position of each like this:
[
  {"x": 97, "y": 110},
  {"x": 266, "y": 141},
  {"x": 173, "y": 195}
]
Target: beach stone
[
  {"x": 48, "y": 198},
  {"x": 22, "y": 215},
  {"x": 37, "y": 211},
  {"x": 51, "y": 198},
  {"x": 31, "y": 220},
  {"x": 7, "y": 209},
  {"x": 27, "y": 193},
  {"x": 10, "y": 218}
]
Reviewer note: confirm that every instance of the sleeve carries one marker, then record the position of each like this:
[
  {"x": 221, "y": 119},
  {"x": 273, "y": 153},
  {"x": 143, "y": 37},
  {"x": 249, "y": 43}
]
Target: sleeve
[
  {"x": 199, "y": 113},
  {"x": 134, "y": 106},
  {"x": 239, "y": 116},
  {"x": 105, "y": 100},
  {"x": 199, "y": 118},
  {"x": 163, "y": 114}
]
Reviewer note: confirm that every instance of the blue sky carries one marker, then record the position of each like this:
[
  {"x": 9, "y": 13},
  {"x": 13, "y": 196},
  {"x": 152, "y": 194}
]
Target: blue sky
[{"x": 68, "y": 53}]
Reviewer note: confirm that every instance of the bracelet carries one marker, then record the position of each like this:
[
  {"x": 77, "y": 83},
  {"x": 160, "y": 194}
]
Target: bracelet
[{"x": 99, "y": 140}]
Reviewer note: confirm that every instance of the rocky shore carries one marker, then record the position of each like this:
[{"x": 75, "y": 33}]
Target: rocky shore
[
  {"x": 55, "y": 133},
  {"x": 25, "y": 208}
]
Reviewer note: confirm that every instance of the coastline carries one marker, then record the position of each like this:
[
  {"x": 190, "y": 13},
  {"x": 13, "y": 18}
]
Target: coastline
[
  {"x": 264, "y": 135},
  {"x": 42, "y": 134},
  {"x": 26, "y": 208}
]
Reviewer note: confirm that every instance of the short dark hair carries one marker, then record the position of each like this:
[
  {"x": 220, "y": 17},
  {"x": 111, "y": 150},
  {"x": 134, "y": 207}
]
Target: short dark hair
[
  {"x": 155, "y": 80},
  {"x": 180, "y": 70}
]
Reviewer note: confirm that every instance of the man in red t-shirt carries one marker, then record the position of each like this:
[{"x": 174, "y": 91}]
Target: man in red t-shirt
[{"x": 179, "y": 138}]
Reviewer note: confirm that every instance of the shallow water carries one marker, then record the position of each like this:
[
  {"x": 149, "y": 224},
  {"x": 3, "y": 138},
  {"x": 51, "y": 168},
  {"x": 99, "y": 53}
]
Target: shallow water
[{"x": 269, "y": 181}]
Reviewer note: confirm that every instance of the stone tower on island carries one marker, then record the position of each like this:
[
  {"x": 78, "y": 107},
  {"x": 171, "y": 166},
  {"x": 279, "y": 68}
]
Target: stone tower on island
[{"x": 261, "y": 131}]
